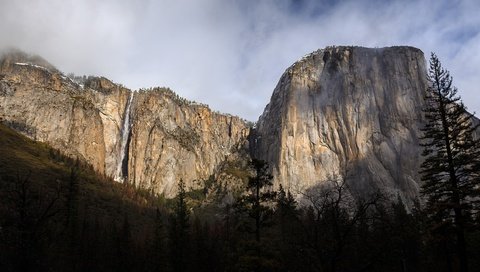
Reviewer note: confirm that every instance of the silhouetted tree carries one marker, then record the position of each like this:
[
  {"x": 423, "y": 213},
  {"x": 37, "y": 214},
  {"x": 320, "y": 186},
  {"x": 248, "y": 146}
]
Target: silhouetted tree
[
  {"x": 286, "y": 211},
  {"x": 159, "y": 257},
  {"x": 405, "y": 235},
  {"x": 288, "y": 231},
  {"x": 451, "y": 170},
  {"x": 124, "y": 246},
  {"x": 72, "y": 216},
  {"x": 333, "y": 219},
  {"x": 256, "y": 206},
  {"x": 257, "y": 202},
  {"x": 31, "y": 215},
  {"x": 179, "y": 231}
]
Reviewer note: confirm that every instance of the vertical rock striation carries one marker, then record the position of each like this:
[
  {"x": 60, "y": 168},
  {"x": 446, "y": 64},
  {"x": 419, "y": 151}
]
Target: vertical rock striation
[
  {"x": 347, "y": 111},
  {"x": 173, "y": 139},
  {"x": 81, "y": 120},
  {"x": 341, "y": 111}
]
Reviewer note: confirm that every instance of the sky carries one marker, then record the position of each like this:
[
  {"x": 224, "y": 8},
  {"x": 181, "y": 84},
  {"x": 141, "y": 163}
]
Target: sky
[{"x": 230, "y": 54}]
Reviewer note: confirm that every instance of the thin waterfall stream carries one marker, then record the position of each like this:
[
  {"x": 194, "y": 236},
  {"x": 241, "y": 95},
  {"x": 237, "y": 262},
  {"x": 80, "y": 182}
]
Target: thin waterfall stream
[{"x": 120, "y": 174}]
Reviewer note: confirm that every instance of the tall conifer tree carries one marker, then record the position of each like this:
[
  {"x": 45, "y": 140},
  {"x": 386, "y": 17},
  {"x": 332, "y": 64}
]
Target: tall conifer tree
[
  {"x": 179, "y": 230},
  {"x": 451, "y": 170}
]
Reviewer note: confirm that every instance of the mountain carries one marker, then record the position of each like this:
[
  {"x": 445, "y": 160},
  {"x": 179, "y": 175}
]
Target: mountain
[
  {"x": 163, "y": 137},
  {"x": 173, "y": 139},
  {"x": 347, "y": 111}
]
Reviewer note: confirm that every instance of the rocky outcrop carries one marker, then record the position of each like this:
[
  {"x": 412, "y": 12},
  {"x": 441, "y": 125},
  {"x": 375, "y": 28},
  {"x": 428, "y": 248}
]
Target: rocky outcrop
[
  {"x": 172, "y": 139},
  {"x": 82, "y": 121},
  {"x": 346, "y": 112},
  {"x": 169, "y": 138},
  {"x": 351, "y": 112}
]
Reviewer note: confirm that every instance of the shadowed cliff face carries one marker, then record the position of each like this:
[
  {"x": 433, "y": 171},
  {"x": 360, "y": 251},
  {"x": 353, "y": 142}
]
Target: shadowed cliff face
[
  {"x": 347, "y": 111},
  {"x": 169, "y": 138}
]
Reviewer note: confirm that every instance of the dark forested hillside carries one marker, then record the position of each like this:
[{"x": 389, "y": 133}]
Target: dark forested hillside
[{"x": 56, "y": 213}]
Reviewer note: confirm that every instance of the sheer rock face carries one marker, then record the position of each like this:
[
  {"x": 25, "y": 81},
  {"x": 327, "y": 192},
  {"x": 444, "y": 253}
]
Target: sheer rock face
[
  {"x": 42, "y": 103},
  {"x": 170, "y": 139},
  {"x": 347, "y": 111},
  {"x": 173, "y": 139},
  {"x": 341, "y": 111}
]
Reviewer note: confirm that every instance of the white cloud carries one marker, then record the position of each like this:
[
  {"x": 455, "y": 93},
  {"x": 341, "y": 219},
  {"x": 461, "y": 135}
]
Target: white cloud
[{"x": 230, "y": 54}]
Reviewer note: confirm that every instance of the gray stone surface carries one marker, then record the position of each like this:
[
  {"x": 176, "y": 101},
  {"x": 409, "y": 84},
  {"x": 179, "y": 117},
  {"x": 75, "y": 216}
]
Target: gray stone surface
[
  {"x": 348, "y": 112},
  {"x": 170, "y": 138},
  {"x": 351, "y": 112}
]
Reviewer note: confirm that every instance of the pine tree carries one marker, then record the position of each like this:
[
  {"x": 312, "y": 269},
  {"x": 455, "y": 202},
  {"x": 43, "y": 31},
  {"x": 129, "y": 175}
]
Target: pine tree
[
  {"x": 179, "y": 226},
  {"x": 257, "y": 206},
  {"x": 159, "y": 244},
  {"x": 288, "y": 227},
  {"x": 257, "y": 203},
  {"x": 286, "y": 203},
  {"x": 451, "y": 170},
  {"x": 72, "y": 216}
]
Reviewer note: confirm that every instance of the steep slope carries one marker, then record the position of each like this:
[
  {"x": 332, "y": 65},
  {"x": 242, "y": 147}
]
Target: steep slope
[
  {"x": 171, "y": 138},
  {"x": 347, "y": 111},
  {"x": 43, "y": 211},
  {"x": 81, "y": 120},
  {"x": 47, "y": 170}
]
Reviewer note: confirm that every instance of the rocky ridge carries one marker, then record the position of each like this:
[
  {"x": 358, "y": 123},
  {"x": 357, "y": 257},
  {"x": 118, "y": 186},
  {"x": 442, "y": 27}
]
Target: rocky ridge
[
  {"x": 348, "y": 113},
  {"x": 172, "y": 139},
  {"x": 45, "y": 105},
  {"x": 169, "y": 138}
]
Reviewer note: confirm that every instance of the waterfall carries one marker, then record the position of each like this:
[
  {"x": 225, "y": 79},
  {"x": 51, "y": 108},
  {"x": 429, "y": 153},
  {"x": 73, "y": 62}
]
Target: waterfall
[{"x": 120, "y": 174}]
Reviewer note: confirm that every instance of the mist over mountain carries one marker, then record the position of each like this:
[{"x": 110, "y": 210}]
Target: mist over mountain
[{"x": 213, "y": 51}]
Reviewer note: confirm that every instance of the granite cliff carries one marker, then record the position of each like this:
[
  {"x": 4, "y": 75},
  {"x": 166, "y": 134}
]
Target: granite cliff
[
  {"x": 82, "y": 120},
  {"x": 150, "y": 138},
  {"x": 172, "y": 139},
  {"x": 347, "y": 112}
]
